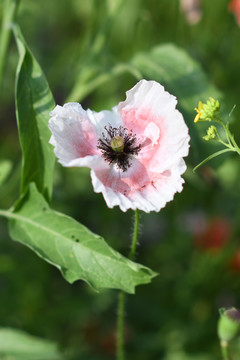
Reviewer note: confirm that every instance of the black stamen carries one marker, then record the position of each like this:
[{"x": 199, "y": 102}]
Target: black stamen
[{"x": 120, "y": 158}]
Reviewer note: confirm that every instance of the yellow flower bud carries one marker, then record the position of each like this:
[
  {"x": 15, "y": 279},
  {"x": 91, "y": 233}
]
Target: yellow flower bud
[{"x": 208, "y": 111}]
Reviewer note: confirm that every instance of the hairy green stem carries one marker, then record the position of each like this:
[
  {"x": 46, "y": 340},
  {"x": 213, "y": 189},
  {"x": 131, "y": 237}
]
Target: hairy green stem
[
  {"x": 225, "y": 350},
  {"x": 135, "y": 236},
  {"x": 122, "y": 295}
]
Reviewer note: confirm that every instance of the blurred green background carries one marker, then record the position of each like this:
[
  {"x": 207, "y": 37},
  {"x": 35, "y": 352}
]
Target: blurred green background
[{"x": 194, "y": 243}]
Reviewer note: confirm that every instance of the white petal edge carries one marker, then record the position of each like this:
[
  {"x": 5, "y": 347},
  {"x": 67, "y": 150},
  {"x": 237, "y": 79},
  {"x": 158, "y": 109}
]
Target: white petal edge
[
  {"x": 145, "y": 200},
  {"x": 68, "y": 124}
]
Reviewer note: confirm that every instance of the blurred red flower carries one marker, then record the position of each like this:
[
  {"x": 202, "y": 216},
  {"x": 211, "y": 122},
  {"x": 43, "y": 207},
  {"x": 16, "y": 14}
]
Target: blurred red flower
[
  {"x": 235, "y": 262},
  {"x": 234, "y": 7},
  {"x": 215, "y": 236}
]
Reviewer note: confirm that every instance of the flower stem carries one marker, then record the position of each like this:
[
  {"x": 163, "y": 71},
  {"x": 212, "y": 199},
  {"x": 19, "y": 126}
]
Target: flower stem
[
  {"x": 122, "y": 295},
  {"x": 135, "y": 236},
  {"x": 231, "y": 139},
  {"x": 120, "y": 326},
  {"x": 225, "y": 351}
]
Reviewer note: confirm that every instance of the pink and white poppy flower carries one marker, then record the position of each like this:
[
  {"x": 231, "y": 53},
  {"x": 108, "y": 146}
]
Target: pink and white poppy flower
[{"x": 135, "y": 152}]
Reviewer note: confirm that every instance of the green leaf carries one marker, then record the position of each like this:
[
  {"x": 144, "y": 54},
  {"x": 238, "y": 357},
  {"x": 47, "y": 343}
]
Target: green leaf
[
  {"x": 181, "y": 74},
  {"x": 34, "y": 101},
  {"x": 18, "y": 345},
  {"x": 71, "y": 247},
  {"x": 5, "y": 169},
  {"x": 183, "y": 77},
  {"x": 9, "y": 11},
  {"x": 181, "y": 355}
]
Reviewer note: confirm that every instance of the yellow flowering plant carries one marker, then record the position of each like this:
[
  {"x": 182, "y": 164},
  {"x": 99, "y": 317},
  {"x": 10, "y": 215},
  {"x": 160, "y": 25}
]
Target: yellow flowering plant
[{"x": 210, "y": 111}]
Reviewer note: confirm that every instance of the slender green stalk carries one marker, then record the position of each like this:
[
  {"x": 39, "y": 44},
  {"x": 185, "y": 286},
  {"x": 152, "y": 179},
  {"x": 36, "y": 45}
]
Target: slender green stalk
[
  {"x": 225, "y": 350},
  {"x": 235, "y": 144},
  {"x": 84, "y": 86},
  {"x": 212, "y": 156},
  {"x": 231, "y": 139},
  {"x": 135, "y": 236},
  {"x": 122, "y": 295},
  {"x": 9, "y": 14},
  {"x": 102, "y": 36},
  {"x": 120, "y": 326}
]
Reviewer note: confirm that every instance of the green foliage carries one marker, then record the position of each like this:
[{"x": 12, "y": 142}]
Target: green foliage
[
  {"x": 9, "y": 9},
  {"x": 182, "y": 76},
  {"x": 18, "y": 345},
  {"x": 34, "y": 101},
  {"x": 180, "y": 355},
  {"x": 5, "y": 169},
  {"x": 71, "y": 247}
]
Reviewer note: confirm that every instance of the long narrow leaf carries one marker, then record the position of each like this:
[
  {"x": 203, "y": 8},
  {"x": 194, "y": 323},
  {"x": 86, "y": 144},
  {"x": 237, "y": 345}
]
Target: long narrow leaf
[
  {"x": 34, "y": 101},
  {"x": 9, "y": 8}
]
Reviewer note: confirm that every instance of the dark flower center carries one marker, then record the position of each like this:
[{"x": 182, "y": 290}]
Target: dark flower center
[{"x": 117, "y": 146}]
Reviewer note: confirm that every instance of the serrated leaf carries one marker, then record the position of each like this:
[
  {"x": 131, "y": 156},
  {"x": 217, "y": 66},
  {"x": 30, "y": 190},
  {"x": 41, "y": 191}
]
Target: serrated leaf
[
  {"x": 34, "y": 101},
  {"x": 71, "y": 247},
  {"x": 183, "y": 77},
  {"x": 18, "y": 345}
]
